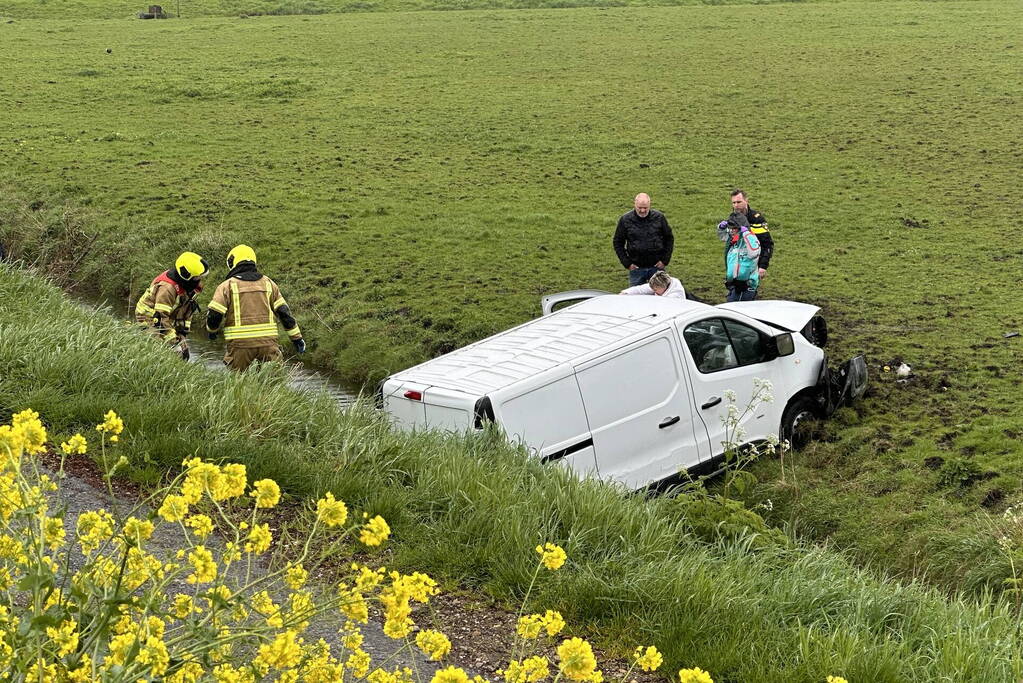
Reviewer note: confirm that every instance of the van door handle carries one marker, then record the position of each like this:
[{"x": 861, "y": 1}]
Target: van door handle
[
  {"x": 669, "y": 421},
  {"x": 711, "y": 403}
]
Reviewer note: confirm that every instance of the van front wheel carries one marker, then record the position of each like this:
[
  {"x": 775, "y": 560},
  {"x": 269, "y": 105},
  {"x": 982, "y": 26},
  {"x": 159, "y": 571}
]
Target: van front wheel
[{"x": 797, "y": 421}]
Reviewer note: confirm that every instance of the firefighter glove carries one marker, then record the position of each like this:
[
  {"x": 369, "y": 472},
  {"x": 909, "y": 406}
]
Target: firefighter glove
[{"x": 299, "y": 344}]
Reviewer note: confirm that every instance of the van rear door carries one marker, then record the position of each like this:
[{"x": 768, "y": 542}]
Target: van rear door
[
  {"x": 640, "y": 410},
  {"x": 419, "y": 406},
  {"x": 549, "y": 418}
]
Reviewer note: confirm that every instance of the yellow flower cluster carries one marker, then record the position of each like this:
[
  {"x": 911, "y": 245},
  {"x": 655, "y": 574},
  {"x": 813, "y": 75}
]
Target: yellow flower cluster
[
  {"x": 330, "y": 511},
  {"x": 531, "y": 625},
  {"x": 434, "y": 644},
  {"x": 527, "y": 671},
  {"x": 576, "y": 661},
  {"x": 76, "y": 445},
  {"x": 836, "y": 679},
  {"x": 374, "y": 532},
  {"x": 649, "y": 659},
  {"x": 552, "y": 556},
  {"x": 695, "y": 675},
  {"x": 112, "y": 425},
  {"x": 396, "y": 598}
]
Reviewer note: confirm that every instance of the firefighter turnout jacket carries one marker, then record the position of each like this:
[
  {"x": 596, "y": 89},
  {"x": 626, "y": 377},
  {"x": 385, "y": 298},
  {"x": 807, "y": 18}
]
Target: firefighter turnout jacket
[
  {"x": 247, "y": 305},
  {"x": 168, "y": 304}
]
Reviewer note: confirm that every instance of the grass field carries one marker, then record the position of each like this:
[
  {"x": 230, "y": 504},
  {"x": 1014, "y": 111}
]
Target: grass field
[
  {"x": 416, "y": 180},
  {"x": 470, "y": 510}
]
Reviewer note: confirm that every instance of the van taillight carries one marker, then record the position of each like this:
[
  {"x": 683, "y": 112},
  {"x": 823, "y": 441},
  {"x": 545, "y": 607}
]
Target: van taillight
[{"x": 414, "y": 395}]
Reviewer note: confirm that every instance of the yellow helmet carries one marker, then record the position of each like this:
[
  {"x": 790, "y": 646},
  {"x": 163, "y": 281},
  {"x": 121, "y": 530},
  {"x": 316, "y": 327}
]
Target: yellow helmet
[
  {"x": 241, "y": 253},
  {"x": 190, "y": 265}
]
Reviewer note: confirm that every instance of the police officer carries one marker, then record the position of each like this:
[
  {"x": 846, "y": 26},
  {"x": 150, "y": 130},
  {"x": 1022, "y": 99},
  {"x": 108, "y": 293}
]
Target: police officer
[
  {"x": 167, "y": 306},
  {"x": 247, "y": 306}
]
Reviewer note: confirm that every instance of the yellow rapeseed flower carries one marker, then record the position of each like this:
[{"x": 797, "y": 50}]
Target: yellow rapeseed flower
[
  {"x": 234, "y": 481},
  {"x": 182, "y": 606},
  {"x": 529, "y": 671},
  {"x": 330, "y": 511},
  {"x": 552, "y": 622},
  {"x": 174, "y": 508},
  {"x": 552, "y": 556},
  {"x": 31, "y": 434},
  {"x": 529, "y": 626},
  {"x": 836, "y": 679},
  {"x": 111, "y": 424},
  {"x": 137, "y": 530},
  {"x": 266, "y": 492},
  {"x": 53, "y": 532},
  {"x": 264, "y": 604},
  {"x": 284, "y": 652},
  {"x": 295, "y": 576},
  {"x": 649, "y": 659},
  {"x": 576, "y": 659},
  {"x": 76, "y": 445},
  {"x": 201, "y": 560},
  {"x": 259, "y": 539},
  {"x": 201, "y": 525},
  {"x": 358, "y": 663},
  {"x": 452, "y": 674},
  {"x": 695, "y": 675},
  {"x": 65, "y": 637},
  {"x": 433, "y": 644},
  {"x": 374, "y": 532}
]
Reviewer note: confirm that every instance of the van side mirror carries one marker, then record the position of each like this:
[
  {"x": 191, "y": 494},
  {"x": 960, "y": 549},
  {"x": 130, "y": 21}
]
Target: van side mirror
[{"x": 784, "y": 344}]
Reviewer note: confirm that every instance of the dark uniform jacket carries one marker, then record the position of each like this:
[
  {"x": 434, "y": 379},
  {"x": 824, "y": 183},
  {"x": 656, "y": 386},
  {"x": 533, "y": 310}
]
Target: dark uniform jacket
[
  {"x": 758, "y": 226},
  {"x": 643, "y": 241}
]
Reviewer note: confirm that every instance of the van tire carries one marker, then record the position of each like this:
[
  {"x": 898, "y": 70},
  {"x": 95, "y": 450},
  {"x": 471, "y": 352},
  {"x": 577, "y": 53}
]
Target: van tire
[{"x": 797, "y": 421}]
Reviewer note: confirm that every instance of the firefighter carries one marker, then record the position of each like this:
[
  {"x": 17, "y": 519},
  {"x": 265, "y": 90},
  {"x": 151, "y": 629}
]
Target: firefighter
[
  {"x": 247, "y": 306},
  {"x": 166, "y": 308}
]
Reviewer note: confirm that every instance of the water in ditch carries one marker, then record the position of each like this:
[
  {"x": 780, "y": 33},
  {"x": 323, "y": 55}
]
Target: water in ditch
[{"x": 211, "y": 354}]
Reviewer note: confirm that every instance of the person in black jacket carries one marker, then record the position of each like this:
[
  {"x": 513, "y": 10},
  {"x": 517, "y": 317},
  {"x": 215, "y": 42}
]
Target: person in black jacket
[
  {"x": 643, "y": 241},
  {"x": 743, "y": 214}
]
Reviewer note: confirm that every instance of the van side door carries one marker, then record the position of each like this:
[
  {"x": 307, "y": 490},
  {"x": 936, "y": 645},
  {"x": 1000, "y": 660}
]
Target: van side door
[
  {"x": 726, "y": 356},
  {"x": 640, "y": 411}
]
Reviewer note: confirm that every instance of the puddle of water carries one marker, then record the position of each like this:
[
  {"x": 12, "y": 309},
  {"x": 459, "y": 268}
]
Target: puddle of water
[{"x": 211, "y": 354}]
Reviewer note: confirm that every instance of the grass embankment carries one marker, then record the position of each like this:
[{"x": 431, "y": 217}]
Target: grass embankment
[
  {"x": 416, "y": 181},
  {"x": 469, "y": 510}
]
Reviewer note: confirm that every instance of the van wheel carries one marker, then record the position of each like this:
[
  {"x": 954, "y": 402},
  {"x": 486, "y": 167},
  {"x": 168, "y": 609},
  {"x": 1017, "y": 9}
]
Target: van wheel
[{"x": 797, "y": 422}]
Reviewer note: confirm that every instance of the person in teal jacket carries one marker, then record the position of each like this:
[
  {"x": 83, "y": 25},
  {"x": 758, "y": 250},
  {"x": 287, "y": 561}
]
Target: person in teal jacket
[{"x": 742, "y": 249}]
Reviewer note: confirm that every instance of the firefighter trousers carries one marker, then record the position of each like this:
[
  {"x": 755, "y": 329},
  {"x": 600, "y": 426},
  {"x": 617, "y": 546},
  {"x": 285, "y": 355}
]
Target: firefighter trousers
[{"x": 239, "y": 358}]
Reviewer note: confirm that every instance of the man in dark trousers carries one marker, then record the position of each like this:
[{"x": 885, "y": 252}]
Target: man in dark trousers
[
  {"x": 643, "y": 241},
  {"x": 744, "y": 215}
]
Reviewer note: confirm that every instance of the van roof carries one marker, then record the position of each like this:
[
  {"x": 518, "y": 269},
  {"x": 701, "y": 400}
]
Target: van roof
[{"x": 547, "y": 342}]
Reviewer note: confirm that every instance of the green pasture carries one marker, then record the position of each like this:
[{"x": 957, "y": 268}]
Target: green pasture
[
  {"x": 187, "y": 9},
  {"x": 469, "y": 511},
  {"x": 416, "y": 181}
]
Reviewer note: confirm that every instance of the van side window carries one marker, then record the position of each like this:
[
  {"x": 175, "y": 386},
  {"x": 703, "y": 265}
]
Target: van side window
[
  {"x": 710, "y": 345},
  {"x": 747, "y": 343},
  {"x": 645, "y": 377}
]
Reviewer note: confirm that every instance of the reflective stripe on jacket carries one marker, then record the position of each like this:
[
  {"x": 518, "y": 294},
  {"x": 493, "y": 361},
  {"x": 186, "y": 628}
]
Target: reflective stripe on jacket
[
  {"x": 250, "y": 309},
  {"x": 165, "y": 304}
]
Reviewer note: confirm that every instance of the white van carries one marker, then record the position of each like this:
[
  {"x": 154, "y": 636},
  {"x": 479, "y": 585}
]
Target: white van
[{"x": 631, "y": 388}]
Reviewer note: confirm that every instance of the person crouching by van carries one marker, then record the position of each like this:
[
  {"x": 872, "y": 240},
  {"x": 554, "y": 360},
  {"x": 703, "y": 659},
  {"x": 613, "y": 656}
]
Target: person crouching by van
[
  {"x": 661, "y": 284},
  {"x": 742, "y": 249}
]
